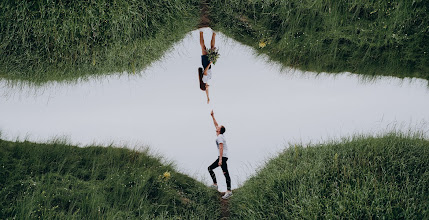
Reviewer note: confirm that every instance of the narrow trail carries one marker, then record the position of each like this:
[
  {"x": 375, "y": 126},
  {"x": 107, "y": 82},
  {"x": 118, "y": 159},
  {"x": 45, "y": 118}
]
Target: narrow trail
[
  {"x": 224, "y": 210},
  {"x": 204, "y": 14}
]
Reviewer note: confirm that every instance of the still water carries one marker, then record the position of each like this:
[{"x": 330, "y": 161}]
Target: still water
[{"x": 263, "y": 107}]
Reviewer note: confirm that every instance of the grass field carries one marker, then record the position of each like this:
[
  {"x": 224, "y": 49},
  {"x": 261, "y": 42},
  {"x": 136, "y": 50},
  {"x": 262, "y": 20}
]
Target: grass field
[
  {"x": 58, "y": 181},
  {"x": 358, "y": 178},
  {"x": 58, "y": 40},
  {"x": 366, "y": 37},
  {"x": 67, "y": 40}
]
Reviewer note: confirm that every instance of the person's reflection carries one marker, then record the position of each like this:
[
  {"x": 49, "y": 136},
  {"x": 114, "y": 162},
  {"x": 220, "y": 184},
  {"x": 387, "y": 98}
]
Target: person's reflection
[{"x": 205, "y": 73}]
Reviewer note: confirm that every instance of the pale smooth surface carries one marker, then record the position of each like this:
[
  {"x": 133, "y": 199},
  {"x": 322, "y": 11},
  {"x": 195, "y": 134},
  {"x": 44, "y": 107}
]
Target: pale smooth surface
[{"x": 262, "y": 107}]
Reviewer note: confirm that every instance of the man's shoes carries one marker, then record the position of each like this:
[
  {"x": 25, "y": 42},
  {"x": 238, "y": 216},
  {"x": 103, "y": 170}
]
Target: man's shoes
[
  {"x": 227, "y": 195},
  {"x": 213, "y": 187}
]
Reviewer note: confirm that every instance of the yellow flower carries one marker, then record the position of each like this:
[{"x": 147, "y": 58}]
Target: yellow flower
[
  {"x": 167, "y": 175},
  {"x": 336, "y": 157},
  {"x": 262, "y": 44}
]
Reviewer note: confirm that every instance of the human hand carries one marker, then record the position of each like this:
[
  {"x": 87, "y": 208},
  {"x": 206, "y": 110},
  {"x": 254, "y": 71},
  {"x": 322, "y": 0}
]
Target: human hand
[
  {"x": 211, "y": 113},
  {"x": 208, "y": 100},
  {"x": 220, "y": 162}
]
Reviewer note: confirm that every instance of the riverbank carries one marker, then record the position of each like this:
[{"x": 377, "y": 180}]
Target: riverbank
[
  {"x": 356, "y": 178},
  {"x": 58, "y": 181},
  {"x": 66, "y": 41},
  {"x": 368, "y": 38}
]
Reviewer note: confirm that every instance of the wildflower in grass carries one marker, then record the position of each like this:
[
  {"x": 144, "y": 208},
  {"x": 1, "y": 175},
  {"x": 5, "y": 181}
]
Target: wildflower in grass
[
  {"x": 262, "y": 44},
  {"x": 166, "y": 175},
  {"x": 213, "y": 54}
]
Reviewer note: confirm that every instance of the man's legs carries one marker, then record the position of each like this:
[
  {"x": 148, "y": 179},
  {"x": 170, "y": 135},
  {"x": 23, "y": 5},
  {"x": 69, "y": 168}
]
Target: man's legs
[
  {"x": 212, "y": 174},
  {"x": 224, "y": 167}
]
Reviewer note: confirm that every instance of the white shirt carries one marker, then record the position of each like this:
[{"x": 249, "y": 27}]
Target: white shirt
[
  {"x": 207, "y": 77},
  {"x": 221, "y": 140}
]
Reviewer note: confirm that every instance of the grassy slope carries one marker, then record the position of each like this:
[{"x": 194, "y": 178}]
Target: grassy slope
[
  {"x": 365, "y": 37},
  {"x": 63, "y": 40},
  {"x": 61, "y": 181},
  {"x": 362, "y": 178}
]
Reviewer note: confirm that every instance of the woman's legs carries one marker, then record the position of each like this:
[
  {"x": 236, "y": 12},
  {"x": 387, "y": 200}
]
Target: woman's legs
[
  {"x": 203, "y": 46},
  {"x": 212, "y": 43}
]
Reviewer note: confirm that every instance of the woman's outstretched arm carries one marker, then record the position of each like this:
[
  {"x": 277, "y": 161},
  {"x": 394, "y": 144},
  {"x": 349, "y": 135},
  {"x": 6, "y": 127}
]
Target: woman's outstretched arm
[{"x": 207, "y": 93}]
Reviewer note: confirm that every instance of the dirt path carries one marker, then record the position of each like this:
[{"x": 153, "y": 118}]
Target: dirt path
[
  {"x": 204, "y": 16},
  {"x": 205, "y": 22},
  {"x": 224, "y": 210}
]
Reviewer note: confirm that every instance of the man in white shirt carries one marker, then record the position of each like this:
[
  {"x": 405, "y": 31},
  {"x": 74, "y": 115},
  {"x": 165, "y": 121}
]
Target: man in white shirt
[{"x": 222, "y": 159}]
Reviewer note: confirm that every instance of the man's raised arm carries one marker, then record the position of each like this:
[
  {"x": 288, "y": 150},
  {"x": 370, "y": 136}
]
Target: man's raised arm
[{"x": 214, "y": 120}]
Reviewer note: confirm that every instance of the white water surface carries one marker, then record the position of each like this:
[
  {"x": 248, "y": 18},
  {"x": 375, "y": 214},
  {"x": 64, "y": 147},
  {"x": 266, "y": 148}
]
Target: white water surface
[{"x": 263, "y": 108}]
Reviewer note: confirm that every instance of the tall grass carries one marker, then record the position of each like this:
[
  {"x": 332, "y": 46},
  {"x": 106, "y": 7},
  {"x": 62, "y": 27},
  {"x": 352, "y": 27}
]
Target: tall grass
[
  {"x": 65, "y": 40},
  {"x": 366, "y": 37},
  {"x": 360, "y": 178},
  {"x": 58, "y": 181}
]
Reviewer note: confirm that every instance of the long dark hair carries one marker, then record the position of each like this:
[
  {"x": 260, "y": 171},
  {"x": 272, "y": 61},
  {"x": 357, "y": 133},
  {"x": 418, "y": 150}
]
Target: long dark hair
[{"x": 200, "y": 76}]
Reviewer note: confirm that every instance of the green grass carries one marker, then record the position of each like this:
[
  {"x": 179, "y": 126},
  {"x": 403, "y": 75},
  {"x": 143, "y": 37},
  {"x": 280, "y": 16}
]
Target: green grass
[
  {"x": 43, "y": 41},
  {"x": 359, "y": 178},
  {"x": 366, "y": 37},
  {"x": 58, "y": 181},
  {"x": 59, "y": 40}
]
